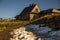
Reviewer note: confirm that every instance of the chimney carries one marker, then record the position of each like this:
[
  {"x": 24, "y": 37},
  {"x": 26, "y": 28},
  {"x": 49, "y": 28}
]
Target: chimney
[{"x": 32, "y": 4}]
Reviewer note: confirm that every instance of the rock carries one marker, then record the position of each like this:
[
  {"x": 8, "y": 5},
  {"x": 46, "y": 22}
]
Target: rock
[{"x": 21, "y": 34}]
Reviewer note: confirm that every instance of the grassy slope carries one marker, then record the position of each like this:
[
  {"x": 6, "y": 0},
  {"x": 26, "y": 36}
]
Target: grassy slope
[
  {"x": 50, "y": 20},
  {"x": 7, "y": 26}
]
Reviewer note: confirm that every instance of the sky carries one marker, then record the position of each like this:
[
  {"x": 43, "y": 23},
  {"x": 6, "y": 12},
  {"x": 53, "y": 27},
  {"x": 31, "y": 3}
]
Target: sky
[{"x": 11, "y": 8}]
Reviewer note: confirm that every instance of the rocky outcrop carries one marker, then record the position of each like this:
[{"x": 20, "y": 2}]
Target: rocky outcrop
[
  {"x": 35, "y": 32},
  {"x": 21, "y": 34}
]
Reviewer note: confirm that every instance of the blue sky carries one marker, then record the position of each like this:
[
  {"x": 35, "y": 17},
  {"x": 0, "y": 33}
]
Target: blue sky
[{"x": 11, "y": 8}]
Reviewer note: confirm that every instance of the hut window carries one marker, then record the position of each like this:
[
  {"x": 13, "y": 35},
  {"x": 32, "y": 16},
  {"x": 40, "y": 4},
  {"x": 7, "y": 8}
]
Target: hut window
[{"x": 36, "y": 10}]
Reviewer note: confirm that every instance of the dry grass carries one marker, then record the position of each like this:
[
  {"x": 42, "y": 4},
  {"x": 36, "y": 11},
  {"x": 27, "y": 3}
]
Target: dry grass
[{"x": 7, "y": 26}]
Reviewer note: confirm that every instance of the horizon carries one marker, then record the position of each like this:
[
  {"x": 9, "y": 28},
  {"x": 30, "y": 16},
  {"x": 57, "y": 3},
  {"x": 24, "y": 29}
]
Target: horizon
[{"x": 11, "y": 8}]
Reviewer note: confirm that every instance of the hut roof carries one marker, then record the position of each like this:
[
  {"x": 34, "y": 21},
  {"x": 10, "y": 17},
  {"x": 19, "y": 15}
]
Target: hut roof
[{"x": 28, "y": 9}]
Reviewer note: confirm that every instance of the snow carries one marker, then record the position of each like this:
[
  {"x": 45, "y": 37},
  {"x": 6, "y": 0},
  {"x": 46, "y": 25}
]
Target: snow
[
  {"x": 33, "y": 31},
  {"x": 44, "y": 29},
  {"x": 55, "y": 33}
]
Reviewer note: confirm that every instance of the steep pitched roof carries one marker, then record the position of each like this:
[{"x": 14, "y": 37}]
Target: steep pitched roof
[
  {"x": 49, "y": 10},
  {"x": 28, "y": 9}
]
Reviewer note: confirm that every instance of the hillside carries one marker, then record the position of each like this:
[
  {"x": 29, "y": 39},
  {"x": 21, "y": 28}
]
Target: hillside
[
  {"x": 49, "y": 20},
  {"x": 7, "y": 26},
  {"x": 52, "y": 21},
  {"x": 43, "y": 28}
]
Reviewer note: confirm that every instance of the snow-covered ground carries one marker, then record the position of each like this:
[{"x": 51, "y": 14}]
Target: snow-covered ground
[{"x": 35, "y": 32}]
